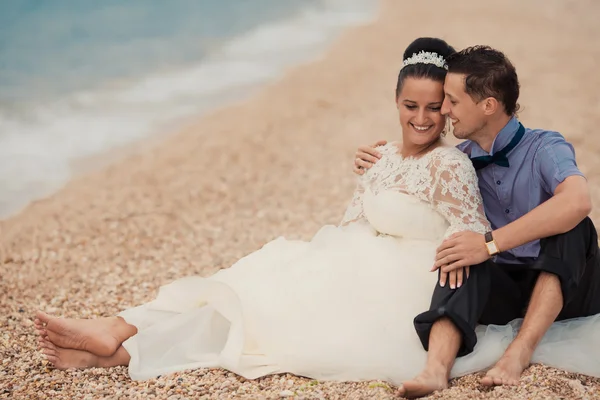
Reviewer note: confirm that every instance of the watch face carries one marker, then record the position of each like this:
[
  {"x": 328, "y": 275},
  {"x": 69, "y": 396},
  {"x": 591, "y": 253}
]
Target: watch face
[{"x": 492, "y": 249}]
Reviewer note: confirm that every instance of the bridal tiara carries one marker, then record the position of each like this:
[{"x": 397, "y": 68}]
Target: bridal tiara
[{"x": 426, "y": 57}]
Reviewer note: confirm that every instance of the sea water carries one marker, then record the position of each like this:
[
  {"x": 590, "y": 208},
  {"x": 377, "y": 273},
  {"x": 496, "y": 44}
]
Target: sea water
[{"x": 79, "y": 77}]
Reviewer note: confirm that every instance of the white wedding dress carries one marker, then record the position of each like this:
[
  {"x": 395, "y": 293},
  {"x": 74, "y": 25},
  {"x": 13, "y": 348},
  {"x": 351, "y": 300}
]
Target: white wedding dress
[{"x": 341, "y": 306}]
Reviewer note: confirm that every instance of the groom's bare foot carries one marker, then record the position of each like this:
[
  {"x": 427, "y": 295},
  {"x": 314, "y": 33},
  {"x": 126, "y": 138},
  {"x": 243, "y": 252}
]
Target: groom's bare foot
[
  {"x": 426, "y": 383},
  {"x": 101, "y": 337},
  {"x": 509, "y": 368},
  {"x": 67, "y": 358}
]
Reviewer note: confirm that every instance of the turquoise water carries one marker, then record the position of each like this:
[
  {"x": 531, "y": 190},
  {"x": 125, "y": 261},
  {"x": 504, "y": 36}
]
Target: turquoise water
[
  {"x": 51, "y": 47},
  {"x": 80, "y": 77}
]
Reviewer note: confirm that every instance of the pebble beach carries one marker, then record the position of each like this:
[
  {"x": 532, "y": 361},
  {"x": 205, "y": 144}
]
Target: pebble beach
[{"x": 276, "y": 164}]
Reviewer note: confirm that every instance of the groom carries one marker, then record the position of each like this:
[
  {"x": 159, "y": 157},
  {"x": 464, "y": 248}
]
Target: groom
[{"x": 541, "y": 260}]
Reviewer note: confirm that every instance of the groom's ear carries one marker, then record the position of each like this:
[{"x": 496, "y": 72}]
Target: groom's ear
[{"x": 490, "y": 105}]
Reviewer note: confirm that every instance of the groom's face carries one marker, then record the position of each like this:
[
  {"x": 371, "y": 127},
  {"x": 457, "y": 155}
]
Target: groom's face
[{"x": 466, "y": 115}]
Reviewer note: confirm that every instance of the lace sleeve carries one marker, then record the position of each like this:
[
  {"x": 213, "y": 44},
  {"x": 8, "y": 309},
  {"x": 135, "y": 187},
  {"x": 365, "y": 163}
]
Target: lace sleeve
[
  {"x": 354, "y": 211},
  {"x": 456, "y": 194}
]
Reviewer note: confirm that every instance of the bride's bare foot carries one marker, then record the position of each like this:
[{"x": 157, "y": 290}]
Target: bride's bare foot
[
  {"x": 426, "y": 383},
  {"x": 509, "y": 368},
  {"x": 67, "y": 358},
  {"x": 101, "y": 337}
]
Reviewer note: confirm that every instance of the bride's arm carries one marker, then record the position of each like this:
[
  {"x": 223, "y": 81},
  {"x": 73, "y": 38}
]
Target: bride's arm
[
  {"x": 354, "y": 211},
  {"x": 455, "y": 195}
]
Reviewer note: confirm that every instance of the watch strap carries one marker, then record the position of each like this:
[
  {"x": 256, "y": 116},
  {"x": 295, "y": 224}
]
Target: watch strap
[{"x": 488, "y": 237}]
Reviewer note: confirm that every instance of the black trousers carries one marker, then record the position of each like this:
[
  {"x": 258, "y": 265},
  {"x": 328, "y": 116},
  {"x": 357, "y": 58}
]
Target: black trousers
[{"x": 499, "y": 293}]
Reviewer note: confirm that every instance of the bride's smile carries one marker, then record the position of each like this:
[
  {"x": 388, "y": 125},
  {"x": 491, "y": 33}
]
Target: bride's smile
[{"x": 419, "y": 102}]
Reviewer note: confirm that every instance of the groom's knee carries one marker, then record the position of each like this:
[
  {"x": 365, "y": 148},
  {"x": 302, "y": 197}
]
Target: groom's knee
[
  {"x": 569, "y": 259},
  {"x": 577, "y": 244}
]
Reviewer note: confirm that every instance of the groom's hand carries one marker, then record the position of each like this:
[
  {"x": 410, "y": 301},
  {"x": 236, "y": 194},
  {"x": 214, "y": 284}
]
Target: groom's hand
[
  {"x": 366, "y": 156},
  {"x": 461, "y": 250}
]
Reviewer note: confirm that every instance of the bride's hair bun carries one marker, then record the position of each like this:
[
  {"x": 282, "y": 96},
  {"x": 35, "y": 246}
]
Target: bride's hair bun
[
  {"x": 430, "y": 45},
  {"x": 425, "y": 58}
]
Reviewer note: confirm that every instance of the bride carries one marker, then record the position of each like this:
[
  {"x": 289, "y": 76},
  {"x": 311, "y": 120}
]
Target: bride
[{"x": 339, "y": 307}]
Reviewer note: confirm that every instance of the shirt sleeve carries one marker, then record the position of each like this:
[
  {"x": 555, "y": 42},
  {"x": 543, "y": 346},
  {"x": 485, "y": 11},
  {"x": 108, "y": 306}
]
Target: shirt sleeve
[{"x": 555, "y": 161}]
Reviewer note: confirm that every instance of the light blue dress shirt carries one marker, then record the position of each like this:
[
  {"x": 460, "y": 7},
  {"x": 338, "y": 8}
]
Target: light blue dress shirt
[{"x": 538, "y": 164}]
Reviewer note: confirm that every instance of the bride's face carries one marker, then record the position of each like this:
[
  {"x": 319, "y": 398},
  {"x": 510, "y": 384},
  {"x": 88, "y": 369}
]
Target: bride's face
[{"x": 419, "y": 105}]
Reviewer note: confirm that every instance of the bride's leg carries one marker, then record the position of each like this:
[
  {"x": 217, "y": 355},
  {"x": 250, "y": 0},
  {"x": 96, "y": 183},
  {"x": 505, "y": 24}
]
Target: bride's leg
[
  {"x": 62, "y": 358},
  {"x": 100, "y": 337}
]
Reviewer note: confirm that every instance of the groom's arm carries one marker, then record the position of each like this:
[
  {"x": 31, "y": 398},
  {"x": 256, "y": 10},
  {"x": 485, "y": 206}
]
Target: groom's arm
[
  {"x": 558, "y": 174},
  {"x": 570, "y": 204},
  {"x": 555, "y": 166}
]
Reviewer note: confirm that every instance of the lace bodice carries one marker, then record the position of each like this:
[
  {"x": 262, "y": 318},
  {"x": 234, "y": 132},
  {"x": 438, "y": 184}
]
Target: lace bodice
[{"x": 430, "y": 197}]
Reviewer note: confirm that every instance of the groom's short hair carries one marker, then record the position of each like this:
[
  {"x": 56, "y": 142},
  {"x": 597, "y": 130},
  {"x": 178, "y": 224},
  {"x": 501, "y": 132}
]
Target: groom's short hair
[{"x": 489, "y": 73}]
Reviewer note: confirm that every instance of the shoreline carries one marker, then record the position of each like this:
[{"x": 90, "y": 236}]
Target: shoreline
[
  {"x": 106, "y": 123},
  {"x": 278, "y": 163}
]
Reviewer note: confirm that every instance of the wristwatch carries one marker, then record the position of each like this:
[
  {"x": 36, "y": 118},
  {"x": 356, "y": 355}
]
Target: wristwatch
[{"x": 491, "y": 245}]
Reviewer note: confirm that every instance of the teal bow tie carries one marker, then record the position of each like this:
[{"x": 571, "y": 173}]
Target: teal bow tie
[{"x": 499, "y": 158}]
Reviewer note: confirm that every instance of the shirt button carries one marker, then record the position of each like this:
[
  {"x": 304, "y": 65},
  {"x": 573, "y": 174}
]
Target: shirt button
[
  {"x": 507, "y": 211},
  {"x": 498, "y": 182}
]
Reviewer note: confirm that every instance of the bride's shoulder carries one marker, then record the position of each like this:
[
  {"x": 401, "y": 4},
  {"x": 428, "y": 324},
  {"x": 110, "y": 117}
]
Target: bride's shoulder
[{"x": 450, "y": 155}]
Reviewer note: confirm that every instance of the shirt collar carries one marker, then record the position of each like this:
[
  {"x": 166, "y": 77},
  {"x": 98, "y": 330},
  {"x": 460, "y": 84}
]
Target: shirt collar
[{"x": 502, "y": 139}]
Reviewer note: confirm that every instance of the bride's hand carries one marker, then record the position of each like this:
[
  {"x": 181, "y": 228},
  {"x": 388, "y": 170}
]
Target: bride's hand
[
  {"x": 456, "y": 277},
  {"x": 366, "y": 156}
]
